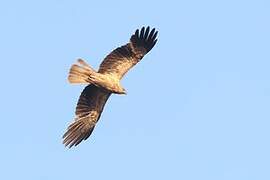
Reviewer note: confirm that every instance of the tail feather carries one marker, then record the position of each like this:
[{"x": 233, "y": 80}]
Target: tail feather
[
  {"x": 83, "y": 63},
  {"x": 80, "y": 73}
]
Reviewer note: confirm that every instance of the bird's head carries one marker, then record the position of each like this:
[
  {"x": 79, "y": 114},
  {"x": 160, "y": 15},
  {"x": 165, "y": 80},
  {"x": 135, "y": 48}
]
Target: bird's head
[{"x": 124, "y": 91}]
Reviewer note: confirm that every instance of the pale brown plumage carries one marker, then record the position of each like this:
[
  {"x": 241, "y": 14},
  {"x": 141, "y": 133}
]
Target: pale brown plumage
[{"x": 104, "y": 82}]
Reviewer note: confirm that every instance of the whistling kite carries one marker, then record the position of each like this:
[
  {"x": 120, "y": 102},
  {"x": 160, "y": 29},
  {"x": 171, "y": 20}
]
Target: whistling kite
[{"x": 104, "y": 82}]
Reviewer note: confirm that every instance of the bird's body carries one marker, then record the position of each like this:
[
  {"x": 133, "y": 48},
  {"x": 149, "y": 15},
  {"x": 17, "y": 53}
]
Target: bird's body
[
  {"x": 108, "y": 82},
  {"x": 104, "y": 82}
]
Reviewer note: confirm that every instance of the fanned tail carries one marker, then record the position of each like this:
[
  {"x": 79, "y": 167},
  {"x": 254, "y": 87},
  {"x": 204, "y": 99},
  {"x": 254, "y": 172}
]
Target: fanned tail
[{"x": 80, "y": 73}]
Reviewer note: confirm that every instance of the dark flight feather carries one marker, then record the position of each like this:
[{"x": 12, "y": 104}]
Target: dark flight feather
[
  {"x": 88, "y": 111},
  {"x": 120, "y": 60}
]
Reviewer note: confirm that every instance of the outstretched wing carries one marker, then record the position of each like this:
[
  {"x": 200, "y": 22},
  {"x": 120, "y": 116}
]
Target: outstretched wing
[
  {"x": 88, "y": 111},
  {"x": 120, "y": 60}
]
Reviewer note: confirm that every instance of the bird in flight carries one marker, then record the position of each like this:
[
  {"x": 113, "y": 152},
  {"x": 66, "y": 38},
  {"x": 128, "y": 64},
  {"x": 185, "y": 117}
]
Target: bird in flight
[{"x": 102, "y": 83}]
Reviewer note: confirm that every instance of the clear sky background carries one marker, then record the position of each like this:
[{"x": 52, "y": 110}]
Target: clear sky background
[{"x": 198, "y": 105}]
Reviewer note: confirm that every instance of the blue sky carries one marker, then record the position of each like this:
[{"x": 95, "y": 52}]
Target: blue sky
[{"x": 197, "y": 104}]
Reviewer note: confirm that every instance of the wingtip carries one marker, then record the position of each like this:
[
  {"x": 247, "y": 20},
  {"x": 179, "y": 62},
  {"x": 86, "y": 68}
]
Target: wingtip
[
  {"x": 145, "y": 33},
  {"x": 76, "y": 132},
  {"x": 144, "y": 37}
]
